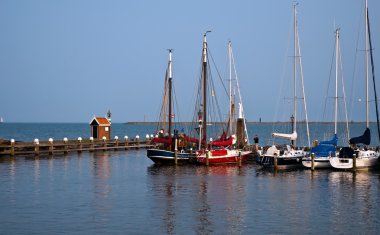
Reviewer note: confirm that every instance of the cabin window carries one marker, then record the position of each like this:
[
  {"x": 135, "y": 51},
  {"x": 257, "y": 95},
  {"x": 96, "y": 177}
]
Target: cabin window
[{"x": 107, "y": 129}]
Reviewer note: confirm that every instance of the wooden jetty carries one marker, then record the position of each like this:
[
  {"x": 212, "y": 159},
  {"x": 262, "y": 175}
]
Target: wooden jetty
[{"x": 65, "y": 146}]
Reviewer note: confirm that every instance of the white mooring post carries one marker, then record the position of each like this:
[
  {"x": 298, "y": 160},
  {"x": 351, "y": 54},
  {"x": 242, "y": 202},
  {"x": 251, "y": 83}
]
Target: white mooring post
[
  {"x": 79, "y": 144},
  {"x": 66, "y": 148},
  {"x": 50, "y": 146},
  {"x": 116, "y": 143},
  {"x": 36, "y": 147},
  {"x": 12, "y": 147},
  {"x": 126, "y": 142}
]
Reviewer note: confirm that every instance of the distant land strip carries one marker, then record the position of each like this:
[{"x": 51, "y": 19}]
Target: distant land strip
[{"x": 279, "y": 122}]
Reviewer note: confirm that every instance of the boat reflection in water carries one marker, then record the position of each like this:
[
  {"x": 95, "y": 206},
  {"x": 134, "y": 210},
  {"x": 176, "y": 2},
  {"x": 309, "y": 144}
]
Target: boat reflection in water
[{"x": 197, "y": 197}]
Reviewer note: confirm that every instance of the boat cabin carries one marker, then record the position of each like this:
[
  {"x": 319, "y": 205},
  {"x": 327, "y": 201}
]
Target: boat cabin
[{"x": 100, "y": 127}]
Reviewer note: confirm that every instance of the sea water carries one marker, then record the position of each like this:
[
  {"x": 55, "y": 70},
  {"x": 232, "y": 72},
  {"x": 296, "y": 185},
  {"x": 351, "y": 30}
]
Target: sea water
[{"x": 123, "y": 192}]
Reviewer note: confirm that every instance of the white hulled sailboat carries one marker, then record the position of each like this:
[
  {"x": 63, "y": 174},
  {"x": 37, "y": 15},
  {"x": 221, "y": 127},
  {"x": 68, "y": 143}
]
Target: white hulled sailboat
[
  {"x": 288, "y": 156},
  {"x": 365, "y": 157}
]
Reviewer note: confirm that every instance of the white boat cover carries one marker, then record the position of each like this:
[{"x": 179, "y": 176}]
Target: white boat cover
[
  {"x": 271, "y": 150},
  {"x": 292, "y": 136}
]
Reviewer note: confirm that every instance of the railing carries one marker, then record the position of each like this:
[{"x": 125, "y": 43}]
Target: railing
[{"x": 51, "y": 147}]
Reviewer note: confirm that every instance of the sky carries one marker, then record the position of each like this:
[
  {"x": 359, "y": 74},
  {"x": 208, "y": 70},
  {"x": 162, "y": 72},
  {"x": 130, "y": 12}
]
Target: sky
[{"x": 66, "y": 61}]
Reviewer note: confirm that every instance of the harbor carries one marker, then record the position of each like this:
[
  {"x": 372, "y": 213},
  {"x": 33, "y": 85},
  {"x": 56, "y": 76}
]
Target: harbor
[
  {"x": 248, "y": 117},
  {"x": 117, "y": 191}
]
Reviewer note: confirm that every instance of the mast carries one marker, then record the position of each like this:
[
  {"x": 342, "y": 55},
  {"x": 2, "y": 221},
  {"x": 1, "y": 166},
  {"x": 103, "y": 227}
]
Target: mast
[
  {"x": 230, "y": 87},
  {"x": 205, "y": 87},
  {"x": 295, "y": 68},
  {"x": 170, "y": 95},
  {"x": 366, "y": 63},
  {"x": 240, "y": 103},
  {"x": 336, "y": 79},
  {"x": 373, "y": 76}
]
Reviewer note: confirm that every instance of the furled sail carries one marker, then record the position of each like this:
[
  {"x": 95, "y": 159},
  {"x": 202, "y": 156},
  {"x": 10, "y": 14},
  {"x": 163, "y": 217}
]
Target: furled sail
[
  {"x": 333, "y": 141},
  {"x": 363, "y": 139},
  {"x": 223, "y": 142},
  {"x": 324, "y": 150},
  {"x": 292, "y": 136},
  {"x": 162, "y": 140},
  {"x": 346, "y": 152}
]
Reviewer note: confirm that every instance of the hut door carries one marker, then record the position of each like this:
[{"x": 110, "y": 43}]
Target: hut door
[{"x": 95, "y": 132}]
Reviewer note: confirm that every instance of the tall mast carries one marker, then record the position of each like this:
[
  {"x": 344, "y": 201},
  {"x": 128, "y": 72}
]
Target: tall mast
[
  {"x": 205, "y": 86},
  {"x": 230, "y": 86},
  {"x": 295, "y": 68},
  {"x": 373, "y": 77},
  {"x": 366, "y": 63},
  {"x": 336, "y": 78},
  {"x": 170, "y": 95}
]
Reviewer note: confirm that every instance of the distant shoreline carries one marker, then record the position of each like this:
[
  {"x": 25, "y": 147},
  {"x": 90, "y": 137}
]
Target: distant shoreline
[{"x": 265, "y": 123}]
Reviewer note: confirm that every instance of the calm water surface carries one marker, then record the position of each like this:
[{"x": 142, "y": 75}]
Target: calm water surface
[{"x": 124, "y": 193}]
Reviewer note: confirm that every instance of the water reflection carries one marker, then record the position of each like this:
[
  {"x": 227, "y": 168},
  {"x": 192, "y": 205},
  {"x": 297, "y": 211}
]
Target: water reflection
[
  {"x": 207, "y": 197},
  {"x": 107, "y": 192},
  {"x": 37, "y": 174},
  {"x": 102, "y": 188},
  {"x": 164, "y": 189},
  {"x": 353, "y": 193},
  {"x": 203, "y": 208}
]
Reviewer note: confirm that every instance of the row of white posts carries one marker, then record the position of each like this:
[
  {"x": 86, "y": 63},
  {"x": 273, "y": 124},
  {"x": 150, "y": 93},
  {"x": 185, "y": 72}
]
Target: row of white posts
[{"x": 65, "y": 140}]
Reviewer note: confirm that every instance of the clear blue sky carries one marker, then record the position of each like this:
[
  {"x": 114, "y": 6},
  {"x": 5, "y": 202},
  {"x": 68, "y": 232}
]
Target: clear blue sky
[{"x": 64, "y": 61}]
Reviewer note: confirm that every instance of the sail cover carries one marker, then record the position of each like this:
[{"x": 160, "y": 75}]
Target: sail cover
[
  {"x": 292, "y": 136},
  {"x": 346, "y": 152},
  {"x": 223, "y": 142},
  {"x": 333, "y": 141},
  {"x": 363, "y": 139},
  {"x": 162, "y": 140},
  {"x": 323, "y": 150}
]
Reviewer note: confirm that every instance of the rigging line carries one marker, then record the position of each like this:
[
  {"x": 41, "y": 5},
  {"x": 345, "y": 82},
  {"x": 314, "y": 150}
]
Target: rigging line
[
  {"x": 215, "y": 100},
  {"x": 212, "y": 86},
  {"x": 282, "y": 81},
  {"x": 328, "y": 84},
  {"x": 343, "y": 91},
  {"x": 165, "y": 105},
  {"x": 303, "y": 89},
  {"x": 160, "y": 110},
  {"x": 352, "y": 92},
  {"x": 177, "y": 114},
  {"x": 373, "y": 76},
  {"x": 217, "y": 71},
  {"x": 162, "y": 120},
  {"x": 240, "y": 97},
  {"x": 198, "y": 100},
  {"x": 192, "y": 112}
]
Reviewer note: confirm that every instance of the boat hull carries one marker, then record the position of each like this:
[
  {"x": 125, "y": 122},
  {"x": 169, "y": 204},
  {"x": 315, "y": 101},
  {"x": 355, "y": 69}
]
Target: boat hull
[
  {"x": 365, "y": 159},
  {"x": 282, "y": 162},
  {"x": 348, "y": 163},
  {"x": 287, "y": 158},
  {"x": 319, "y": 163},
  {"x": 228, "y": 157},
  {"x": 160, "y": 156}
]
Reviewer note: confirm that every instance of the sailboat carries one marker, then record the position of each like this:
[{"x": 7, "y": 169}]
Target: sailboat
[
  {"x": 223, "y": 149},
  {"x": 286, "y": 157},
  {"x": 327, "y": 149},
  {"x": 364, "y": 157},
  {"x": 168, "y": 145}
]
